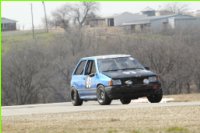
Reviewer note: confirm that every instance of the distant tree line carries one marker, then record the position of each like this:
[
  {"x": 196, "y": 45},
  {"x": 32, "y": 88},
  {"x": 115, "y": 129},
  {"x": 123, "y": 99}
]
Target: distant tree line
[{"x": 35, "y": 72}]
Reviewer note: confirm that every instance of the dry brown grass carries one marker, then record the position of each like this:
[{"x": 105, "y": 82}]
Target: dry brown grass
[
  {"x": 185, "y": 97},
  {"x": 140, "y": 120}
]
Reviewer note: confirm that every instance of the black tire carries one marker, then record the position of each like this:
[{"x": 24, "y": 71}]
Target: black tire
[
  {"x": 102, "y": 97},
  {"x": 76, "y": 101},
  {"x": 155, "y": 98},
  {"x": 125, "y": 101}
]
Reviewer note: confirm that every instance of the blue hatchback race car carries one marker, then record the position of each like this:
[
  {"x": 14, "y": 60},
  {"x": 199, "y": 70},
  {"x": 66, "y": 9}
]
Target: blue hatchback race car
[{"x": 108, "y": 77}]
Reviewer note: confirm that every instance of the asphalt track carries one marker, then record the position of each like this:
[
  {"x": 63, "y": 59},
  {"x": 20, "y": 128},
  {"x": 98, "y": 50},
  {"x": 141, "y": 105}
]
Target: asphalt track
[{"x": 87, "y": 106}]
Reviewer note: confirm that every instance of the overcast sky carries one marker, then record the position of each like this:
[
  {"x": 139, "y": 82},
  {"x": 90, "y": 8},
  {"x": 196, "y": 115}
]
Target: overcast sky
[{"x": 20, "y": 11}]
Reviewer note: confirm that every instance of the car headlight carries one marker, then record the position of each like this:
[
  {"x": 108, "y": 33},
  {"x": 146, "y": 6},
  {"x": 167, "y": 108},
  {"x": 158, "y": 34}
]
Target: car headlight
[
  {"x": 116, "y": 82},
  {"x": 153, "y": 79},
  {"x": 146, "y": 81}
]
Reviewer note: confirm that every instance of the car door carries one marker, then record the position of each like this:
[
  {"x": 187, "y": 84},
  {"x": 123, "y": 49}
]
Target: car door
[
  {"x": 90, "y": 80},
  {"x": 78, "y": 79}
]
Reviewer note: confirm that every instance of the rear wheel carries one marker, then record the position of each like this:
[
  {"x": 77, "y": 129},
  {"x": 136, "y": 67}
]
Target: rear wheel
[
  {"x": 155, "y": 98},
  {"x": 125, "y": 101},
  {"x": 76, "y": 101},
  {"x": 102, "y": 97}
]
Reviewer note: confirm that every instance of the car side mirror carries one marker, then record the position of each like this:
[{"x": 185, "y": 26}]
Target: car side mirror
[
  {"x": 147, "y": 68},
  {"x": 91, "y": 74}
]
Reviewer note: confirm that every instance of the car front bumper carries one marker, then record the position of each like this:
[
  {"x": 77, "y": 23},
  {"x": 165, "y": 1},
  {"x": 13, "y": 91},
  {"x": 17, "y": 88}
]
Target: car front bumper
[{"x": 133, "y": 91}]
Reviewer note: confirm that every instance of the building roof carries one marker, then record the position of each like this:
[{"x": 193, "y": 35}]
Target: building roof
[
  {"x": 123, "y": 14},
  {"x": 153, "y": 18},
  {"x": 106, "y": 56},
  {"x": 147, "y": 9},
  {"x": 6, "y": 20}
]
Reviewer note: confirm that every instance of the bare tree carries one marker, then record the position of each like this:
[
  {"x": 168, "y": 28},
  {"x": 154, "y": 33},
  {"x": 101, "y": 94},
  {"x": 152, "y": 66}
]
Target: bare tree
[
  {"x": 82, "y": 11},
  {"x": 177, "y": 8},
  {"x": 21, "y": 67},
  {"x": 74, "y": 14},
  {"x": 62, "y": 17}
]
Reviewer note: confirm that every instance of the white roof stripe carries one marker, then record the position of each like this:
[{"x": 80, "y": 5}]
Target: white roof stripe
[{"x": 108, "y": 56}]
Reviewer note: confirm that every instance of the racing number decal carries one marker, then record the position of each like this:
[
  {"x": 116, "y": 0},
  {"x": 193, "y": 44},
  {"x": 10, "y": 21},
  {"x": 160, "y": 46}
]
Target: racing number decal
[{"x": 88, "y": 82}]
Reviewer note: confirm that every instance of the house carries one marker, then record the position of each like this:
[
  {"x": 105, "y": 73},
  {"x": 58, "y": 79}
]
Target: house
[
  {"x": 115, "y": 20},
  {"x": 148, "y": 11},
  {"x": 159, "y": 23},
  {"x": 8, "y": 24},
  {"x": 119, "y": 19},
  {"x": 194, "y": 13},
  {"x": 163, "y": 12},
  {"x": 125, "y": 17},
  {"x": 96, "y": 22},
  {"x": 147, "y": 20}
]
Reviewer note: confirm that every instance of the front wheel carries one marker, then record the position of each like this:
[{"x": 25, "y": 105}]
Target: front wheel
[
  {"x": 76, "y": 101},
  {"x": 125, "y": 101},
  {"x": 155, "y": 98},
  {"x": 102, "y": 97}
]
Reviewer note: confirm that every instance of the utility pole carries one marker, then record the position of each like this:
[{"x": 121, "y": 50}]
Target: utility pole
[
  {"x": 45, "y": 15},
  {"x": 33, "y": 32}
]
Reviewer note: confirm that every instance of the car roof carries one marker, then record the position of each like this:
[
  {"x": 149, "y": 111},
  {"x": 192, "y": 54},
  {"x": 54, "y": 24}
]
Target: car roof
[{"x": 105, "y": 56}]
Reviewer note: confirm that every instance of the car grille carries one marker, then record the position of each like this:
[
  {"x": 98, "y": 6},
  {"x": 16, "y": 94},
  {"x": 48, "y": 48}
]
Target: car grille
[{"x": 135, "y": 80}]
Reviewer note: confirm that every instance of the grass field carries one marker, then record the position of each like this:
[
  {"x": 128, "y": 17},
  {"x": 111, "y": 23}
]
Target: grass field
[
  {"x": 185, "y": 97},
  {"x": 12, "y": 38},
  {"x": 139, "y": 120}
]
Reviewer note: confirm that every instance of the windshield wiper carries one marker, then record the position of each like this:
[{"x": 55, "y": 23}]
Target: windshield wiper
[
  {"x": 124, "y": 69},
  {"x": 111, "y": 70},
  {"x": 132, "y": 68}
]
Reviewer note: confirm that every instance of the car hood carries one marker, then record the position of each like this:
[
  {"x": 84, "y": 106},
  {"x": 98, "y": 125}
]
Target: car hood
[{"x": 128, "y": 73}]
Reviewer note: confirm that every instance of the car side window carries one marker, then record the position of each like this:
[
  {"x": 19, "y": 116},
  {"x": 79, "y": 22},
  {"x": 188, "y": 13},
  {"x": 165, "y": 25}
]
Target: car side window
[
  {"x": 80, "y": 68},
  {"x": 90, "y": 67},
  {"x": 93, "y": 70}
]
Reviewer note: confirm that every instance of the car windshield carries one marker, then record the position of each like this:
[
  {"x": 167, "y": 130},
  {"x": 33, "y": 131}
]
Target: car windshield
[{"x": 120, "y": 63}]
